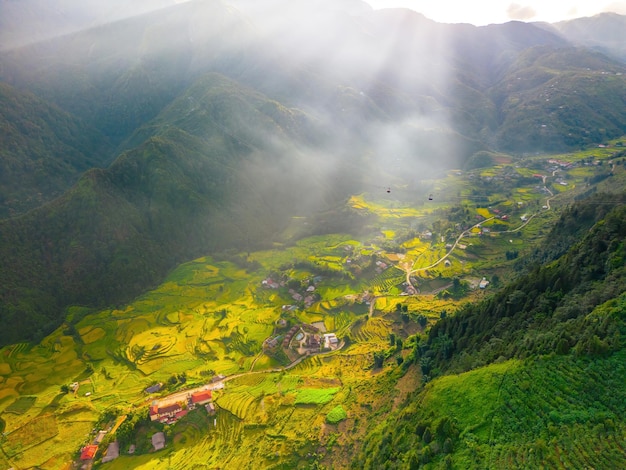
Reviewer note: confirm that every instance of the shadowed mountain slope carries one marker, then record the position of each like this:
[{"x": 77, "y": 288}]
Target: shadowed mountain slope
[
  {"x": 173, "y": 197},
  {"x": 44, "y": 150}
]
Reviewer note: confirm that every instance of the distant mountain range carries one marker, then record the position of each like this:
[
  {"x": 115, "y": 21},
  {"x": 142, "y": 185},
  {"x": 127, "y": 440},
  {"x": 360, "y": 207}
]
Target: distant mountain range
[{"x": 223, "y": 120}]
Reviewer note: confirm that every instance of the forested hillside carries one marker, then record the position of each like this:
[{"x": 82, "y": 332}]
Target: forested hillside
[
  {"x": 43, "y": 152},
  {"x": 532, "y": 376}
]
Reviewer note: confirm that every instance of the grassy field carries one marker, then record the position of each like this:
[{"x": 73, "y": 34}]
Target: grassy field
[{"x": 212, "y": 315}]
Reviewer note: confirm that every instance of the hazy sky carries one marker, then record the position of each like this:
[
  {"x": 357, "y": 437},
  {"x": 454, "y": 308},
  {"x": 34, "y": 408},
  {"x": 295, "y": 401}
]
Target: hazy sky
[{"x": 481, "y": 12}]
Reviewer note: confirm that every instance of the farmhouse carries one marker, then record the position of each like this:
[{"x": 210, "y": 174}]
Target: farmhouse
[
  {"x": 483, "y": 283},
  {"x": 158, "y": 441},
  {"x": 200, "y": 398},
  {"x": 271, "y": 342},
  {"x": 89, "y": 452},
  {"x": 330, "y": 341},
  {"x": 154, "y": 388},
  {"x": 164, "y": 413}
]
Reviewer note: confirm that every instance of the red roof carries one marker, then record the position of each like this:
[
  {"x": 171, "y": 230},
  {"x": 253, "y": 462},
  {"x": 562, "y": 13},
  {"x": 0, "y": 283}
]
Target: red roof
[
  {"x": 154, "y": 410},
  {"x": 201, "y": 397},
  {"x": 181, "y": 413},
  {"x": 89, "y": 452}
]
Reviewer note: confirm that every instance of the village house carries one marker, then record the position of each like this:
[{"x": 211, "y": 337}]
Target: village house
[
  {"x": 271, "y": 342},
  {"x": 331, "y": 341},
  {"x": 99, "y": 437},
  {"x": 164, "y": 413},
  {"x": 200, "y": 398},
  {"x": 89, "y": 452},
  {"x": 158, "y": 441},
  {"x": 154, "y": 388},
  {"x": 269, "y": 283}
]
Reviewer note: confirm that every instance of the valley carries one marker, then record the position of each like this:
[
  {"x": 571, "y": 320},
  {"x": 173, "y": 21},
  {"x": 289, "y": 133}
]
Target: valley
[
  {"x": 257, "y": 328},
  {"x": 310, "y": 235}
]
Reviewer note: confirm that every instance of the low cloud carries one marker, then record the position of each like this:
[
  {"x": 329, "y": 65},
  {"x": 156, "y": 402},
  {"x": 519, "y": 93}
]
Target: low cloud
[{"x": 519, "y": 12}]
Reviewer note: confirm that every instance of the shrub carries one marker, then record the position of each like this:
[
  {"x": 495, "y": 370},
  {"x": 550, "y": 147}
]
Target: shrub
[{"x": 336, "y": 415}]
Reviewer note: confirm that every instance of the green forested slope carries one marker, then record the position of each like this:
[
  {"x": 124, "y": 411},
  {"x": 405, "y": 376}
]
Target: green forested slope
[
  {"x": 552, "y": 99},
  {"x": 548, "y": 412},
  {"x": 43, "y": 151},
  {"x": 548, "y": 309},
  {"x": 533, "y": 376}
]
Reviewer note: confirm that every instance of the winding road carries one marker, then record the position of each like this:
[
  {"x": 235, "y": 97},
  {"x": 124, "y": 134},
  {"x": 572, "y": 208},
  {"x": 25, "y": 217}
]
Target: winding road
[{"x": 409, "y": 270}]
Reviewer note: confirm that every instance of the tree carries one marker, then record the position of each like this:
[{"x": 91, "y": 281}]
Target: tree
[
  {"x": 65, "y": 388},
  {"x": 392, "y": 339},
  {"x": 379, "y": 359},
  {"x": 427, "y": 437}
]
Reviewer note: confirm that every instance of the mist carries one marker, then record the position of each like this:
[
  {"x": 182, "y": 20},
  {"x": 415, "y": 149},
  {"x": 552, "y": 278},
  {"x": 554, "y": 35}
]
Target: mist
[
  {"x": 320, "y": 100},
  {"x": 25, "y": 22}
]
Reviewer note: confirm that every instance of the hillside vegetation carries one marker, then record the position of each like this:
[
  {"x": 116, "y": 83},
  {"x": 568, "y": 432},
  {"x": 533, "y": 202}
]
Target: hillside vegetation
[
  {"x": 172, "y": 198},
  {"x": 532, "y": 376},
  {"x": 44, "y": 151}
]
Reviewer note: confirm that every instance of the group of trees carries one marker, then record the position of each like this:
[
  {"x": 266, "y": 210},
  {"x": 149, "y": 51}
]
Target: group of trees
[{"x": 547, "y": 309}]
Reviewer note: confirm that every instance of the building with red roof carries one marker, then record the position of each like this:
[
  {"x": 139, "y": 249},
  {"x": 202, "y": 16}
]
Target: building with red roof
[
  {"x": 200, "y": 398},
  {"x": 89, "y": 452}
]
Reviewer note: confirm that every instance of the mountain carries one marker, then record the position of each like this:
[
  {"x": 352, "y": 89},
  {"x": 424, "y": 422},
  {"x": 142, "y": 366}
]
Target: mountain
[
  {"x": 44, "y": 150},
  {"x": 603, "y": 32},
  {"x": 27, "y": 21},
  {"x": 119, "y": 75}
]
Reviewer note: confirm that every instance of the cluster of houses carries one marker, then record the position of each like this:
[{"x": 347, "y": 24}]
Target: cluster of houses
[
  {"x": 169, "y": 413},
  {"x": 304, "y": 338},
  {"x": 88, "y": 453},
  {"x": 306, "y": 297}
]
